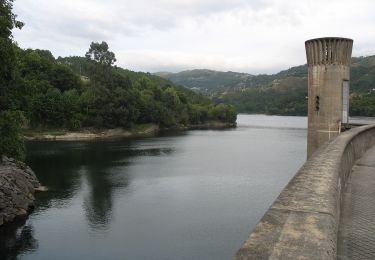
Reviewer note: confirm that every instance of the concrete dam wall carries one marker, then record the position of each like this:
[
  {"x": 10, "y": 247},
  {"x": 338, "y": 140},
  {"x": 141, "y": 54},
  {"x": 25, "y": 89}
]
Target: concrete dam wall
[{"x": 303, "y": 221}]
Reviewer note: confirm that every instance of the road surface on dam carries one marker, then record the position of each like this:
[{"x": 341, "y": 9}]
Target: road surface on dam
[{"x": 357, "y": 227}]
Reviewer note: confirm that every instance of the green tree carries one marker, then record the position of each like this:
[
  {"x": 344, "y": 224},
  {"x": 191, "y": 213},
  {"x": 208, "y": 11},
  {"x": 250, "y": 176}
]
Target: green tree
[
  {"x": 48, "y": 108},
  {"x": 8, "y": 21},
  {"x": 100, "y": 61},
  {"x": 51, "y": 94},
  {"x": 100, "y": 53},
  {"x": 171, "y": 98},
  {"x": 221, "y": 112},
  {"x": 11, "y": 141},
  {"x": 72, "y": 109},
  {"x": 63, "y": 78},
  {"x": 198, "y": 113}
]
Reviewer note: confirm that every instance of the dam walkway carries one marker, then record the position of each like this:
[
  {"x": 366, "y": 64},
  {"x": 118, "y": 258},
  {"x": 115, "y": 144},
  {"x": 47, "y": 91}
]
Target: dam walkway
[
  {"x": 356, "y": 237},
  {"x": 327, "y": 210}
]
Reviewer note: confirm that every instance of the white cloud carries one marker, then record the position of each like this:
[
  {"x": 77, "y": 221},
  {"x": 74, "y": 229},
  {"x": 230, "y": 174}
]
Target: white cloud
[{"x": 259, "y": 36}]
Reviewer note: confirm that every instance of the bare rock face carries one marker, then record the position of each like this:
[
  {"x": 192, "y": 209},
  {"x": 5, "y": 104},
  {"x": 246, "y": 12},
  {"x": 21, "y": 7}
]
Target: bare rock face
[{"x": 17, "y": 186}]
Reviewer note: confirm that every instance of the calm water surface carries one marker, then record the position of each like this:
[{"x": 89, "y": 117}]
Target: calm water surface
[{"x": 187, "y": 195}]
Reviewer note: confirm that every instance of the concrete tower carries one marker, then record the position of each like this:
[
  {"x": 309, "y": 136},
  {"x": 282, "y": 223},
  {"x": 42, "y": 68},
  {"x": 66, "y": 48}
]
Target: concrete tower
[{"x": 328, "y": 61}]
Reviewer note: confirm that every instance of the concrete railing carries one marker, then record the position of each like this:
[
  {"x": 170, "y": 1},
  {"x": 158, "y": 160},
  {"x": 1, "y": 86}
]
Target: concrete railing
[{"x": 303, "y": 221}]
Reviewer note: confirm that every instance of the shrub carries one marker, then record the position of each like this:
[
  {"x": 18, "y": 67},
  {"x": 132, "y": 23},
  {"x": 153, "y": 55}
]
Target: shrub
[{"x": 11, "y": 138}]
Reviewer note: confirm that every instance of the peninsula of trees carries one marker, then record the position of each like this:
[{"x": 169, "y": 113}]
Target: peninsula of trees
[
  {"x": 89, "y": 91},
  {"x": 77, "y": 92},
  {"x": 38, "y": 91}
]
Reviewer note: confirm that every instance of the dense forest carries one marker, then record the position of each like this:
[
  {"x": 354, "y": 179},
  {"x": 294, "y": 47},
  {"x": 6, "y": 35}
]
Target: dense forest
[
  {"x": 39, "y": 91},
  {"x": 284, "y": 93},
  {"x": 77, "y": 92}
]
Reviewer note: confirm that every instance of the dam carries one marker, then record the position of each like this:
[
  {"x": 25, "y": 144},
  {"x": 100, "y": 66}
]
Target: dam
[{"x": 326, "y": 211}]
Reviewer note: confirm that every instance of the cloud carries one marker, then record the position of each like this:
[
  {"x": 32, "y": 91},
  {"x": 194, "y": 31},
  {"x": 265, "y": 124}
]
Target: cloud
[{"x": 258, "y": 36}]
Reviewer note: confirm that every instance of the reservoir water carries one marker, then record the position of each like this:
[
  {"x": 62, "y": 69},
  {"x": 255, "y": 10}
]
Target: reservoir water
[{"x": 183, "y": 195}]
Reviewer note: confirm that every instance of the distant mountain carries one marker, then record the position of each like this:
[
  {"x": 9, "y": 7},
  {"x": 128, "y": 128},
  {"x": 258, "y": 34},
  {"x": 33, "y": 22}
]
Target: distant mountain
[
  {"x": 281, "y": 93},
  {"x": 205, "y": 80},
  {"x": 208, "y": 81}
]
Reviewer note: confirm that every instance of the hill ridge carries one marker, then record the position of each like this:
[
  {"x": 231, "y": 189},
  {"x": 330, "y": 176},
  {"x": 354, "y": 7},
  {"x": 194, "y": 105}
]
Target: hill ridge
[{"x": 280, "y": 93}]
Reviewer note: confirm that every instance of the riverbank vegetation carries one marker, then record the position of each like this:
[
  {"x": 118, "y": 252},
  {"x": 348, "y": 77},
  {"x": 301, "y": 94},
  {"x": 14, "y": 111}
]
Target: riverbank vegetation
[{"x": 78, "y": 92}]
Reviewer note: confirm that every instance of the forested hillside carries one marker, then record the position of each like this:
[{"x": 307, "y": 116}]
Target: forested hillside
[
  {"x": 206, "y": 80},
  {"x": 283, "y": 93},
  {"x": 72, "y": 93},
  {"x": 77, "y": 92},
  {"x": 40, "y": 92}
]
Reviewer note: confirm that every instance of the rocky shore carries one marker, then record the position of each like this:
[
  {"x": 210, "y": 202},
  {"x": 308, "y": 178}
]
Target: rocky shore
[
  {"x": 91, "y": 134},
  {"x": 151, "y": 130},
  {"x": 18, "y": 184},
  {"x": 210, "y": 125}
]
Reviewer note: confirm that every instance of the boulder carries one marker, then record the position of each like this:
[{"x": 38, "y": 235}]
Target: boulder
[{"x": 17, "y": 187}]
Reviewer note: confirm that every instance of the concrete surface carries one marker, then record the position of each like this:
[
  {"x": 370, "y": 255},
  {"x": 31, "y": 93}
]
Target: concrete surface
[
  {"x": 303, "y": 222},
  {"x": 328, "y": 61},
  {"x": 357, "y": 223}
]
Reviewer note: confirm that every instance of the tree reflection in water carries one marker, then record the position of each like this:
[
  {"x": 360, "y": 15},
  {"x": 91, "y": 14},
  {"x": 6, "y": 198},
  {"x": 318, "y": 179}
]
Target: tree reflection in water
[
  {"x": 106, "y": 173},
  {"x": 65, "y": 168},
  {"x": 17, "y": 238}
]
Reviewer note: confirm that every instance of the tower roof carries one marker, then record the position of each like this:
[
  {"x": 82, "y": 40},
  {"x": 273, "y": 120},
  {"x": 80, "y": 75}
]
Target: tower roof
[
  {"x": 329, "y": 51},
  {"x": 329, "y": 39}
]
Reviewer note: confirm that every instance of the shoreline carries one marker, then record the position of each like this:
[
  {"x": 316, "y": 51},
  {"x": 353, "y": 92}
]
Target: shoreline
[{"x": 100, "y": 134}]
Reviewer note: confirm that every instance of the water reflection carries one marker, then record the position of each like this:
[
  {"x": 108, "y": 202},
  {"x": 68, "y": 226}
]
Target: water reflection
[
  {"x": 16, "y": 239},
  {"x": 98, "y": 204},
  {"x": 198, "y": 192},
  {"x": 67, "y": 168},
  {"x": 57, "y": 167},
  {"x": 62, "y": 166},
  {"x": 103, "y": 180}
]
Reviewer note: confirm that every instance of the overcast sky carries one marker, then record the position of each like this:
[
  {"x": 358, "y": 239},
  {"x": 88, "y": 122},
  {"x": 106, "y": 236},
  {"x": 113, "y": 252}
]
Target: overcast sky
[{"x": 254, "y": 36}]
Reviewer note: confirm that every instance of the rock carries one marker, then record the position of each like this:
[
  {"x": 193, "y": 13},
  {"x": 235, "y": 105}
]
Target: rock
[
  {"x": 18, "y": 184},
  {"x": 8, "y": 217},
  {"x": 41, "y": 189},
  {"x": 21, "y": 212}
]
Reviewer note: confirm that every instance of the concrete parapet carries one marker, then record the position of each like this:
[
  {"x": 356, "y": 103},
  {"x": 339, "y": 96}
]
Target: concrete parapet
[{"x": 303, "y": 221}]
